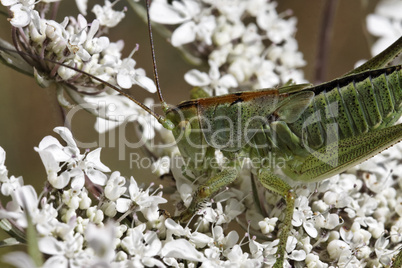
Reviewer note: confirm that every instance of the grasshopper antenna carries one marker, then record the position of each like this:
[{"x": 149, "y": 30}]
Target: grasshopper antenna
[
  {"x": 161, "y": 119},
  {"x": 165, "y": 107}
]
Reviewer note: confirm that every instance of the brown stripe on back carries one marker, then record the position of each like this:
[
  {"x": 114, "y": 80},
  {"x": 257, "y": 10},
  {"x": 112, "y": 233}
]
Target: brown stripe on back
[{"x": 229, "y": 98}]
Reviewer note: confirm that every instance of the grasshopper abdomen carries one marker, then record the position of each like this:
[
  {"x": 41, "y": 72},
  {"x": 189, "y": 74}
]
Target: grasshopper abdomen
[{"x": 356, "y": 104}]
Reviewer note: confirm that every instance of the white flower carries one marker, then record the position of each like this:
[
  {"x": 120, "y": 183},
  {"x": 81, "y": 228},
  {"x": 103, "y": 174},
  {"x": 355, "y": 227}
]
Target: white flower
[
  {"x": 396, "y": 231},
  {"x": 106, "y": 15},
  {"x": 214, "y": 80},
  {"x": 101, "y": 240},
  {"x": 385, "y": 24},
  {"x": 330, "y": 221},
  {"x": 356, "y": 235},
  {"x": 24, "y": 200},
  {"x": 19, "y": 260},
  {"x": 301, "y": 212},
  {"x": 115, "y": 186},
  {"x": 10, "y": 185},
  {"x": 224, "y": 242},
  {"x": 3, "y": 168},
  {"x": 233, "y": 208},
  {"x": 384, "y": 254},
  {"x": 67, "y": 253},
  {"x": 297, "y": 255},
  {"x": 128, "y": 76},
  {"x": 114, "y": 110},
  {"x": 313, "y": 261},
  {"x": 54, "y": 156},
  {"x": 143, "y": 247},
  {"x": 375, "y": 228},
  {"x": 161, "y": 166},
  {"x": 76, "y": 43},
  {"x": 138, "y": 197},
  {"x": 182, "y": 249},
  {"x": 338, "y": 200},
  {"x": 290, "y": 56},
  {"x": 268, "y": 225},
  {"x": 226, "y": 32},
  {"x": 82, "y": 6},
  {"x": 337, "y": 248},
  {"x": 95, "y": 45},
  {"x": 94, "y": 168},
  {"x": 310, "y": 229},
  {"x": 71, "y": 198},
  {"x": 22, "y": 11},
  {"x": 266, "y": 74},
  {"x": 236, "y": 54},
  {"x": 232, "y": 10},
  {"x": 176, "y": 229},
  {"x": 200, "y": 240},
  {"x": 190, "y": 31},
  {"x": 213, "y": 255},
  {"x": 186, "y": 193},
  {"x": 239, "y": 259},
  {"x": 177, "y": 12},
  {"x": 376, "y": 183}
]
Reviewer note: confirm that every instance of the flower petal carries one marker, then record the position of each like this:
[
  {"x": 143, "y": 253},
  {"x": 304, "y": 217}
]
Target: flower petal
[
  {"x": 146, "y": 83},
  {"x": 19, "y": 259},
  {"x": 310, "y": 229},
  {"x": 298, "y": 255},
  {"x": 197, "y": 78},
  {"x": 66, "y": 135},
  {"x": 21, "y": 16},
  {"x": 96, "y": 176},
  {"x": 82, "y": 6},
  {"x": 182, "y": 249},
  {"x": 50, "y": 245},
  {"x": 184, "y": 34},
  {"x": 78, "y": 181},
  {"x": 164, "y": 13},
  {"x": 378, "y": 25},
  {"x": 93, "y": 158},
  {"x": 123, "y": 204}
]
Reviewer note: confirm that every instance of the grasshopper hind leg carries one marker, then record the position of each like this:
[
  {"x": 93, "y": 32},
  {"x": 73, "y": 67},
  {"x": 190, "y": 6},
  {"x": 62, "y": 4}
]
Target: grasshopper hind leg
[{"x": 278, "y": 186}]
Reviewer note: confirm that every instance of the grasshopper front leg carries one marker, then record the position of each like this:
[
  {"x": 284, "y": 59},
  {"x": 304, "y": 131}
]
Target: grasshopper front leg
[
  {"x": 206, "y": 190},
  {"x": 278, "y": 186}
]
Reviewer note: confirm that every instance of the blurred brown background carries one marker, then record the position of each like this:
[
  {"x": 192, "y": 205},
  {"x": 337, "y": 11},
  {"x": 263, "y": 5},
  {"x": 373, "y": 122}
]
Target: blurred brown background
[{"x": 28, "y": 112}]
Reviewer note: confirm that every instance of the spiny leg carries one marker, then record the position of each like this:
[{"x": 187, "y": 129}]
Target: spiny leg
[
  {"x": 278, "y": 186},
  {"x": 206, "y": 190}
]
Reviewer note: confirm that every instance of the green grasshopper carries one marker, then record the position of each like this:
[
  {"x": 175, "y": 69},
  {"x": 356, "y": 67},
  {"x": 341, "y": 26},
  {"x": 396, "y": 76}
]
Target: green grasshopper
[{"x": 326, "y": 129}]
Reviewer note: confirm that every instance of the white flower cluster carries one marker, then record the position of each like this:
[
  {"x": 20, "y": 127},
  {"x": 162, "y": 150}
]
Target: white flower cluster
[
  {"x": 72, "y": 230},
  {"x": 46, "y": 44},
  {"x": 246, "y": 44},
  {"x": 114, "y": 224}
]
